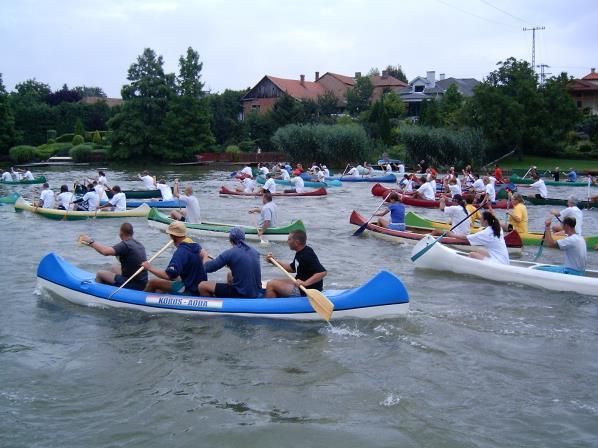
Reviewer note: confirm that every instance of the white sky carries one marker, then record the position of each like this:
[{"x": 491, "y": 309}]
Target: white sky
[{"x": 94, "y": 42}]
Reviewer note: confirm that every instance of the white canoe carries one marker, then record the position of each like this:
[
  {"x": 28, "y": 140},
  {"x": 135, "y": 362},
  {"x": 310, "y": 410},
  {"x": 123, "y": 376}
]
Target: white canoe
[{"x": 442, "y": 258}]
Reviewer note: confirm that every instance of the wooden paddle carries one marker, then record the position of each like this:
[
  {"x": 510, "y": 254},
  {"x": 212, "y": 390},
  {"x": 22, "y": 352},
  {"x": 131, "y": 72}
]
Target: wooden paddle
[
  {"x": 429, "y": 246},
  {"x": 319, "y": 302},
  {"x": 166, "y": 246},
  {"x": 364, "y": 225},
  {"x": 541, "y": 247}
]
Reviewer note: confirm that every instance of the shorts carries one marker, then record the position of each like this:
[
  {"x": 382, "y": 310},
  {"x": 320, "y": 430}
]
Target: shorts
[
  {"x": 394, "y": 226},
  {"x": 178, "y": 287},
  {"x": 226, "y": 290},
  {"x": 560, "y": 270},
  {"x": 296, "y": 292},
  {"x": 539, "y": 196},
  {"x": 120, "y": 280}
]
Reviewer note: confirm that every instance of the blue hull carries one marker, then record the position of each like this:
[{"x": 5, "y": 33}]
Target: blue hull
[
  {"x": 307, "y": 183},
  {"x": 389, "y": 178},
  {"x": 154, "y": 204},
  {"x": 383, "y": 296}
]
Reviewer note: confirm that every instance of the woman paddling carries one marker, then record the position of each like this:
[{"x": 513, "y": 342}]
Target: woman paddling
[
  {"x": 491, "y": 238},
  {"x": 397, "y": 213}
]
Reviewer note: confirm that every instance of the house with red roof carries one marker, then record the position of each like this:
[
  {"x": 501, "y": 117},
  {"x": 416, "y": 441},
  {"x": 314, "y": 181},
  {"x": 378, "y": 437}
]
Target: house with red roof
[
  {"x": 585, "y": 92},
  {"x": 269, "y": 89}
]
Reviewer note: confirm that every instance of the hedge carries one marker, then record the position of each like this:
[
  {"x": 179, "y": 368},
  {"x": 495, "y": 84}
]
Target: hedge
[
  {"x": 81, "y": 153},
  {"x": 22, "y": 153}
]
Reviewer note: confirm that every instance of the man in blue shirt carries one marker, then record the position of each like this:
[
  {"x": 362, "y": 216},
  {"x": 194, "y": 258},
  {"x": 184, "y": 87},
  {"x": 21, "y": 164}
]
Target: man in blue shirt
[
  {"x": 571, "y": 175},
  {"x": 186, "y": 265},
  {"x": 244, "y": 264}
]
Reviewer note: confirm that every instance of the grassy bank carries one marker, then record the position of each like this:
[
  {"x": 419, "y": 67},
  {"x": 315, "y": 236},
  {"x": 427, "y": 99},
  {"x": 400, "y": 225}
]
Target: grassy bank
[{"x": 548, "y": 163}]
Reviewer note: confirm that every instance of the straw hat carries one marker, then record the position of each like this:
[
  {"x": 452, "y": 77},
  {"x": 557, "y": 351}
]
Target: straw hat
[{"x": 177, "y": 228}]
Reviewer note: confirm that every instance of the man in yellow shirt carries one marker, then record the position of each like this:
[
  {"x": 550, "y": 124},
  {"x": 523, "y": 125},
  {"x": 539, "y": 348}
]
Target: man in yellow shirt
[{"x": 518, "y": 215}]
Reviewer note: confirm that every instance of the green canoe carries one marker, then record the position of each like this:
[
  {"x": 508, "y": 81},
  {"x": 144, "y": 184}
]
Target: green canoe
[
  {"x": 37, "y": 180},
  {"x": 160, "y": 221},
  {"x": 552, "y": 201},
  {"x": 10, "y": 199},
  {"x": 529, "y": 239},
  {"x": 519, "y": 180}
]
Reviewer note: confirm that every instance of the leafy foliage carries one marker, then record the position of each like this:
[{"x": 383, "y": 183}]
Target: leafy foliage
[
  {"x": 22, "y": 153},
  {"x": 64, "y": 95},
  {"x": 442, "y": 146},
  {"x": 8, "y": 135},
  {"x": 81, "y": 153},
  {"x": 225, "y": 109},
  {"x": 397, "y": 72},
  {"x": 78, "y": 140},
  {"x": 321, "y": 142},
  {"x": 358, "y": 97}
]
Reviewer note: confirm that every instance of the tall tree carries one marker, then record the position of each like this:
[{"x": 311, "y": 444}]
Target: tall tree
[
  {"x": 397, "y": 72},
  {"x": 287, "y": 110},
  {"x": 64, "y": 95},
  {"x": 87, "y": 91},
  {"x": 33, "y": 117},
  {"x": 225, "y": 109},
  {"x": 8, "y": 135},
  {"x": 358, "y": 97},
  {"x": 137, "y": 127},
  {"x": 328, "y": 103}
]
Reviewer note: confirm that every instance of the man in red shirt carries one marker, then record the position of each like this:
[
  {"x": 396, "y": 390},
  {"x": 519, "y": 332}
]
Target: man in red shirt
[{"x": 498, "y": 173}]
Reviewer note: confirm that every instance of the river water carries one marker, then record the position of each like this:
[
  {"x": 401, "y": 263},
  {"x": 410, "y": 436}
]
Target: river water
[{"x": 475, "y": 363}]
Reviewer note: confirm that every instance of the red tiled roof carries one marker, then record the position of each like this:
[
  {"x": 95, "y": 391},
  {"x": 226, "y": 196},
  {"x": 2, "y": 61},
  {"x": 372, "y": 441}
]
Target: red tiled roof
[
  {"x": 591, "y": 77},
  {"x": 579, "y": 85},
  {"x": 342, "y": 78},
  {"x": 294, "y": 87},
  {"x": 390, "y": 81}
]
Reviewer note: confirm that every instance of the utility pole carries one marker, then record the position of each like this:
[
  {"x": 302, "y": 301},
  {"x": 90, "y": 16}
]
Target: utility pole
[
  {"x": 543, "y": 73},
  {"x": 533, "y": 30}
]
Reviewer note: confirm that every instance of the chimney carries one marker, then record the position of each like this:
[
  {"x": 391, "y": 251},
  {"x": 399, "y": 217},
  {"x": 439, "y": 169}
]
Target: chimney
[
  {"x": 302, "y": 79},
  {"x": 357, "y": 75},
  {"x": 441, "y": 76},
  {"x": 593, "y": 70},
  {"x": 317, "y": 76},
  {"x": 384, "y": 73},
  {"x": 431, "y": 76}
]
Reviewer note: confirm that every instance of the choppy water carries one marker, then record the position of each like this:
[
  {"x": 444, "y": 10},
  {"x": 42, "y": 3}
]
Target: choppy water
[{"x": 474, "y": 363}]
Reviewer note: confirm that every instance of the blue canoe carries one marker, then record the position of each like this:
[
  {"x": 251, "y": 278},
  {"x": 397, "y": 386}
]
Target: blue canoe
[
  {"x": 383, "y": 296},
  {"x": 389, "y": 178},
  {"x": 10, "y": 199},
  {"x": 175, "y": 203},
  {"x": 307, "y": 183}
]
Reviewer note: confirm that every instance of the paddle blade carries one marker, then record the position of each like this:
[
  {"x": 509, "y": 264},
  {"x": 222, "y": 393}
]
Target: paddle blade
[
  {"x": 320, "y": 303},
  {"x": 361, "y": 229},
  {"x": 427, "y": 248}
]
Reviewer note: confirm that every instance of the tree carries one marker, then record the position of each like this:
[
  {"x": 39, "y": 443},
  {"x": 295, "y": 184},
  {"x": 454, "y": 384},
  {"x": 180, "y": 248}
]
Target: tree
[
  {"x": 33, "y": 117},
  {"x": 328, "y": 103},
  {"x": 86, "y": 91},
  {"x": 395, "y": 106},
  {"x": 137, "y": 127},
  {"x": 358, "y": 97},
  {"x": 79, "y": 128},
  {"x": 287, "y": 110},
  {"x": 33, "y": 89},
  {"x": 560, "y": 113},
  {"x": 378, "y": 122},
  {"x": 397, "y": 72},
  {"x": 8, "y": 135},
  {"x": 64, "y": 95},
  {"x": 226, "y": 109}
]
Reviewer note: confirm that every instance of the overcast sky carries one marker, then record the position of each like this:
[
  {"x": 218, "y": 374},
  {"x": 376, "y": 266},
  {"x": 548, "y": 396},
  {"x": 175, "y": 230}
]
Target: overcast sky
[{"x": 81, "y": 42}]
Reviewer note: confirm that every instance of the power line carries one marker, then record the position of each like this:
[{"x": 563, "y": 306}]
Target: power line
[
  {"x": 503, "y": 11},
  {"x": 473, "y": 14},
  {"x": 533, "y": 30}
]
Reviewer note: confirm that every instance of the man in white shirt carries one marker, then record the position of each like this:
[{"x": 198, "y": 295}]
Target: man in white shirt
[
  {"x": 425, "y": 191},
  {"x": 541, "y": 186},
  {"x": 298, "y": 183},
  {"x": 284, "y": 174},
  {"x": 16, "y": 174},
  {"x": 576, "y": 254},
  {"x": 101, "y": 178},
  {"x": 268, "y": 214},
  {"x": 28, "y": 175},
  {"x": 165, "y": 190},
  {"x": 489, "y": 189},
  {"x": 353, "y": 172},
  {"x": 118, "y": 200},
  {"x": 247, "y": 185},
  {"x": 478, "y": 185},
  {"x": 269, "y": 185},
  {"x": 246, "y": 171},
  {"x": 90, "y": 200},
  {"x": 148, "y": 181},
  {"x": 101, "y": 191},
  {"x": 325, "y": 171},
  {"x": 388, "y": 168},
  {"x": 573, "y": 211},
  {"x": 401, "y": 168},
  {"x": 6, "y": 177},
  {"x": 263, "y": 169},
  {"x": 192, "y": 214},
  {"x": 46, "y": 197},
  {"x": 320, "y": 176},
  {"x": 65, "y": 199}
]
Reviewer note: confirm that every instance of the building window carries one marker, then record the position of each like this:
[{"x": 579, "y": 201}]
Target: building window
[
  {"x": 579, "y": 105},
  {"x": 419, "y": 88},
  {"x": 255, "y": 108}
]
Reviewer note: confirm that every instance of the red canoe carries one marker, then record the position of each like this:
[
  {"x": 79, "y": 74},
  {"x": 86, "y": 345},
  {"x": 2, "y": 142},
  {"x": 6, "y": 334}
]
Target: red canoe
[
  {"x": 314, "y": 193},
  {"x": 382, "y": 191},
  {"x": 414, "y": 234}
]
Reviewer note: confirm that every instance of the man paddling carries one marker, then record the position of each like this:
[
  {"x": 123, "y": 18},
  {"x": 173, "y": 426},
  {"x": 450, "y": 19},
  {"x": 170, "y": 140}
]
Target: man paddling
[
  {"x": 185, "y": 264},
  {"x": 118, "y": 200},
  {"x": 571, "y": 210},
  {"x": 576, "y": 254},
  {"x": 131, "y": 255},
  {"x": 192, "y": 214},
  {"x": 268, "y": 214},
  {"x": 148, "y": 181},
  {"x": 310, "y": 272},
  {"x": 46, "y": 197}
]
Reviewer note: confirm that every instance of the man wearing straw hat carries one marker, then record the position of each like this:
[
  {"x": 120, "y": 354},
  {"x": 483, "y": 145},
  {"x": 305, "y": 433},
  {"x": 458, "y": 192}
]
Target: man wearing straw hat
[
  {"x": 130, "y": 253},
  {"x": 185, "y": 270}
]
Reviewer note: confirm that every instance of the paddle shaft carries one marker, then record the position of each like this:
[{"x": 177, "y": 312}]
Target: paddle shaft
[
  {"x": 499, "y": 159},
  {"x": 323, "y": 306},
  {"x": 428, "y": 247},
  {"x": 166, "y": 246},
  {"x": 363, "y": 226}
]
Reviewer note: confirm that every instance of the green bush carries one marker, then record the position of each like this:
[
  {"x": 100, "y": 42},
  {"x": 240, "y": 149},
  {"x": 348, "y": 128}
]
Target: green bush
[
  {"x": 65, "y": 138},
  {"x": 51, "y": 141},
  {"x": 96, "y": 138},
  {"x": 247, "y": 146},
  {"x": 323, "y": 143},
  {"x": 50, "y": 135},
  {"x": 79, "y": 128},
  {"x": 22, "y": 153},
  {"x": 585, "y": 147},
  {"x": 233, "y": 149},
  {"x": 78, "y": 140},
  {"x": 443, "y": 147},
  {"x": 81, "y": 153}
]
